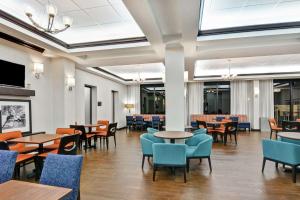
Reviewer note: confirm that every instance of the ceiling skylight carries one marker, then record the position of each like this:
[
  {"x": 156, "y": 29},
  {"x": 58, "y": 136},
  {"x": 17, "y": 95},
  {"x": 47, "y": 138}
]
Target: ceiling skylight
[
  {"x": 93, "y": 20},
  {"x": 144, "y": 71},
  {"x": 220, "y": 14}
]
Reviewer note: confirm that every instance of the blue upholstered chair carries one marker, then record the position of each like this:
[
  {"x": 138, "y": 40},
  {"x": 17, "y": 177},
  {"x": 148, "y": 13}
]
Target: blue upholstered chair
[
  {"x": 171, "y": 155},
  {"x": 281, "y": 152},
  {"x": 199, "y": 147},
  {"x": 147, "y": 140},
  {"x": 63, "y": 171},
  {"x": 219, "y": 118},
  {"x": 152, "y": 130},
  {"x": 156, "y": 122},
  {"x": 234, "y": 118},
  {"x": 244, "y": 125},
  {"x": 129, "y": 122},
  {"x": 139, "y": 122},
  {"x": 200, "y": 131},
  {"x": 7, "y": 164},
  {"x": 194, "y": 124}
]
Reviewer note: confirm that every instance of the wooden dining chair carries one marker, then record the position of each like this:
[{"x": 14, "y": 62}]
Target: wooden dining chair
[
  {"x": 273, "y": 127},
  {"x": 111, "y": 132},
  {"x": 86, "y": 137},
  {"x": 59, "y": 131}
]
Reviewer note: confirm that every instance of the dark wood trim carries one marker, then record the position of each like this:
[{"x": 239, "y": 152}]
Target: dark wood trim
[
  {"x": 15, "y": 91},
  {"x": 251, "y": 28},
  {"x": 109, "y": 73},
  {"x": 30, "y": 113},
  {"x": 21, "y": 42},
  {"x": 32, "y": 29}
]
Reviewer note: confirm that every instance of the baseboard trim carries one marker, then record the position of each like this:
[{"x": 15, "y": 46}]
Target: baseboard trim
[{"x": 124, "y": 127}]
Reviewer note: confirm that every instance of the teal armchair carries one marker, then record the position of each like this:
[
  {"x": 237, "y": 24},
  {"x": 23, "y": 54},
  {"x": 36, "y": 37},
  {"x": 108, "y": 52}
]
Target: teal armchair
[
  {"x": 147, "y": 140},
  {"x": 152, "y": 130},
  {"x": 198, "y": 147},
  {"x": 281, "y": 152},
  {"x": 170, "y": 155}
]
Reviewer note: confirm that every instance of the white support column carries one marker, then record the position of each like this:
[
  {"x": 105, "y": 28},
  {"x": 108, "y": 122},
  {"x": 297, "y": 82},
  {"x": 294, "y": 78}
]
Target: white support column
[
  {"x": 174, "y": 86},
  {"x": 256, "y": 105}
]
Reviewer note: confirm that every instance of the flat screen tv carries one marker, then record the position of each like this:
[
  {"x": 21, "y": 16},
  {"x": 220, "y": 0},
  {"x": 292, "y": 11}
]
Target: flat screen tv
[{"x": 12, "y": 74}]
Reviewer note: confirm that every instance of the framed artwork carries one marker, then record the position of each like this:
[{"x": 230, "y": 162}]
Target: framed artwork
[{"x": 15, "y": 115}]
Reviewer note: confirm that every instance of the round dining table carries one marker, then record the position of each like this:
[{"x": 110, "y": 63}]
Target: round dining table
[
  {"x": 173, "y": 135},
  {"x": 289, "y": 135}
]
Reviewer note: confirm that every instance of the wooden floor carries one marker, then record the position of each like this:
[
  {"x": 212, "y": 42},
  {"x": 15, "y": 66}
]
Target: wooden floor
[{"x": 117, "y": 174}]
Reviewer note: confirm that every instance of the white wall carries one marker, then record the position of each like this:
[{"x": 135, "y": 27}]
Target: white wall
[{"x": 104, "y": 94}]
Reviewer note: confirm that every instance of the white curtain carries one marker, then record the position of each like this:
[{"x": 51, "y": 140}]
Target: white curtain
[
  {"x": 133, "y": 97},
  {"x": 194, "y": 99},
  {"x": 266, "y": 98},
  {"x": 242, "y": 98}
]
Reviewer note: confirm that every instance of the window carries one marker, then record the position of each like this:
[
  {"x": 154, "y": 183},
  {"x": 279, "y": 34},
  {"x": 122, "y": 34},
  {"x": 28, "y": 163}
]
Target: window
[
  {"x": 153, "y": 99},
  {"x": 286, "y": 99},
  {"x": 231, "y": 16},
  {"x": 217, "y": 98}
]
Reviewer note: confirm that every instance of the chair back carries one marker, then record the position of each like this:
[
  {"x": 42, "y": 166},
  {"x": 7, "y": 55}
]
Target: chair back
[
  {"x": 151, "y": 130},
  {"x": 68, "y": 145},
  {"x": 4, "y": 145},
  {"x": 80, "y": 128},
  {"x": 231, "y": 127},
  {"x": 12, "y": 135},
  {"x": 219, "y": 118},
  {"x": 272, "y": 123},
  {"x": 201, "y": 124},
  {"x": 200, "y": 131},
  {"x": 104, "y": 125},
  {"x": 202, "y": 144},
  {"x": 139, "y": 120},
  {"x": 147, "y": 140},
  {"x": 112, "y": 129},
  {"x": 63, "y": 171},
  {"x": 169, "y": 154},
  {"x": 234, "y": 118},
  {"x": 63, "y": 131},
  {"x": 129, "y": 120},
  {"x": 290, "y": 126},
  {"x": 281, "y": 151},
  {"x": 7, "y": 166}
]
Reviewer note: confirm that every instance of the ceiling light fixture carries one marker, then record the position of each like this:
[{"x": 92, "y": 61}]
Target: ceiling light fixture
[
  {"x": 52, "y": 12},
  {"x": 139, "y": 79},
  {"x": 229, "y": 76}
]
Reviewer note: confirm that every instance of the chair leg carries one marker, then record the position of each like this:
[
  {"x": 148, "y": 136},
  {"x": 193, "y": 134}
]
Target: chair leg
[
  {"x": 225, "y": 138},
  {"x": 115, "y": 141},
  {"x": 95, "y": 142},
  {"x": 294, "y": 173},
  {"x": 276, "y": 164},
  {"x": 188, "y": 165},
  {"x": 86, "y": 144},
  {"x": 154, "y": 171},
  {"x": 184, "y": 174},
  {"x": 200, "y": 159},
  {"x": 271, "y": 134},
  {"x": 143, "y": 161},
  {"x": 235, "y": 138},
  {"x": 107, "y": 143},
  {"x": 209, "y": 162},
  {"x": 100, "y": 140},
  {"x": 263, "y": 165}
]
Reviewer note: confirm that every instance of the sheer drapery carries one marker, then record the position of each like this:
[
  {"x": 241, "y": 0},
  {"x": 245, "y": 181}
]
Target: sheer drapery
[
  {"x": 133, "y": 97},
  {"x": 266, "y": 98},
  {"x": 195, "y": 99},
  {"x": 241, "y": 93}
]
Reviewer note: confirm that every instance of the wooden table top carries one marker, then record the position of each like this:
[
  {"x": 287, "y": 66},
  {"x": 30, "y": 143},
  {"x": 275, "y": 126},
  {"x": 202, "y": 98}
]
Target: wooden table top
[
  {"x": 290, "y": 135},
  {"x": 216, "y": 122},
  {"x": 92, "y": 125},
  {"x": 37, "y": 139},
  {"x": 173, "y": 134},
  {"x": 19, "y": 190}
]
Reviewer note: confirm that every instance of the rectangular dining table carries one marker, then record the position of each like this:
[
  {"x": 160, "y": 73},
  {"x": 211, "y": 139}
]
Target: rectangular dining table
[
  {"x": 39, "y": 139},
  {"x": 20, "y": 190}
]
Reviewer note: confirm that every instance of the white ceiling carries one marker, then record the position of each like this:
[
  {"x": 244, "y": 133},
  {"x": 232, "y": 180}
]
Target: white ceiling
[
  {"x": 249, "y": 65},
  {"x": 233, "y": 13},
  {"x": 93, "y": 20},
  {"x": 145, "y": 71}
]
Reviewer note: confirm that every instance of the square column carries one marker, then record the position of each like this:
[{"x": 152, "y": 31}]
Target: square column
[{"x": 174, "y": 86}]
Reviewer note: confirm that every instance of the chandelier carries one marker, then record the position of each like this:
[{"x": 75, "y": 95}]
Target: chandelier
[
  {"x": 229, "y": 76},
  {"x": 138, "y": 79},
  {"x": 52, "y": 12}
]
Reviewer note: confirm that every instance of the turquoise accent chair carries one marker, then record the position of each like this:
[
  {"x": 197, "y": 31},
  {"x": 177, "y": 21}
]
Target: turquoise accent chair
[
  {"x": 147, "y": 140},
  {"x": 63, "y": 171},
  {"x": 170, "y": 155},
  {"x": 200, "y": 131},
  {"x": 281, "y": 152},
  {"x": 198, "y": 147},
  {"x": 7, "y": 164},
  {"x": 152, "y": 130},
  {"x": 289, "y": 140}
]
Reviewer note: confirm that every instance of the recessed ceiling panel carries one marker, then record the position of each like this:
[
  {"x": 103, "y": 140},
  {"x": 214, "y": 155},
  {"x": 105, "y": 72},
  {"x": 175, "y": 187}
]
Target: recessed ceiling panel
[
  {"x": 93, "y": 20},
  {"x": 220, "y": 14}
]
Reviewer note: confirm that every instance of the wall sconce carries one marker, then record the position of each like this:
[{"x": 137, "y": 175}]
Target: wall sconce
[
  {"x": 38, "y": 69},
  {"x": 129, "y": 106},
  {"x": 256, "y": 91},
  {"x": 70, "y": 82}
]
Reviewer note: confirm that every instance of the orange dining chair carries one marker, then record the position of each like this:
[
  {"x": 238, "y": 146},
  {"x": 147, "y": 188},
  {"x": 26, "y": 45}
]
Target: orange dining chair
[
  {"x": 111, "y": 132},
  {"x": 274, "y": 127},
  {"x": 60, "y": 131},
  {"x": 298, "y": 120},
  {"x": 19, "y": 147}
]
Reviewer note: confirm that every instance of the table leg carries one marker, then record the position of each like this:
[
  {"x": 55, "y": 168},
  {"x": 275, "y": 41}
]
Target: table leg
[{"x": 172, "y": 141}]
